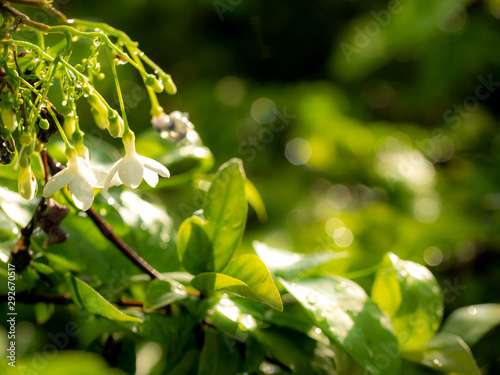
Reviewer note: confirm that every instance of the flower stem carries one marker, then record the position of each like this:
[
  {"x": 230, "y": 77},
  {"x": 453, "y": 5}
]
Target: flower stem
[{"x": 119, "y": 92}]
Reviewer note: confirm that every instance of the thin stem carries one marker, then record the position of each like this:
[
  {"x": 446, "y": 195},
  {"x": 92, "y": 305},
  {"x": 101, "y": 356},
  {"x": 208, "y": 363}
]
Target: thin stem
[
  {"x": 156, "y": 109},
  {"x": 119, "y": 92},
  {"x": 25, "y": 19},
  {"x": 108, "y": 232}
]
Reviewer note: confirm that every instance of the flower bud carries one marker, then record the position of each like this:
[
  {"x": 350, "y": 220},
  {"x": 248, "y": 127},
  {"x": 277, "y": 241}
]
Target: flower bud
[
  {"x": 101, "y": 119},
  {"x": 154, "y": 83},
  {"x": 44, "y": 124},
  {"x": 169, "y": 84},
  {"x": 96, "y": 103},
  {"x": 9, "y": 118},
  {"x": 116, "y": 125},
  {"x": 69, "y": 124},
  {"x": 26, "y": 182},
  {"x": 25, "y": 140}
]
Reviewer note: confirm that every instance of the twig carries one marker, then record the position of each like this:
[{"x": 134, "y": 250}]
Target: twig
[{"x": 108, "y": 232}]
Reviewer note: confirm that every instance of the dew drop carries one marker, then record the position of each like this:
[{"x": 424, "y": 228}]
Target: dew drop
[
  {"x": 312, "y": 299},
  {"x": 472, "y": 310},
  {"x": 436, "y": 362}
]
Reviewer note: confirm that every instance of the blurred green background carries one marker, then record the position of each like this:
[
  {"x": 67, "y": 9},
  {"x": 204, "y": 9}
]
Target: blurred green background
[
  {"x": 388, "y": 137},
  {"x": 366, "y": 126}
]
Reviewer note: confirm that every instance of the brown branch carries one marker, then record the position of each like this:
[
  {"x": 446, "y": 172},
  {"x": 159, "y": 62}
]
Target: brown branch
[
  {"x": 108, "y": 232},
  {"x": 25, "y": 19},
  {"x": 43, "y": 4}
]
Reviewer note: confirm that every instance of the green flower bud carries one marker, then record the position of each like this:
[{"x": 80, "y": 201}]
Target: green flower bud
[
  {"x": 44, "y": 124},
  {"x": 26, "y": 182},
  {"x": 169, "y": 84},
  {"x": 9, "y": 118},
  {"x": 96, "y": 103},
  {"x": 116, "y": 125},
  {"x": 154, "y": 83},
  {"x": 100, "y": 119},
  {"x": 25, "y": 140}
]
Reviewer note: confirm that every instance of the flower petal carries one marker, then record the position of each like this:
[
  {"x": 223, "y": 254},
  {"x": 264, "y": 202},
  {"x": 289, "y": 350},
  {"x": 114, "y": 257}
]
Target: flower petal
[
  {"x": 154, "y": 166},
  {"x": 131, "y": 171},
  {"x": 150, "y": 177},
  {"x": 109, "y": 178},
  {"x": 58, "y": 181},
  {"x": 99, "y": 178},
  {"x": 82, "y": 193}
]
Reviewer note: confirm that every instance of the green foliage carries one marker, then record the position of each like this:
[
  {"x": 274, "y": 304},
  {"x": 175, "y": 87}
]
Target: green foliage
[
  {"x": 220, "y": 231},
  {"x": 349, "y": 257},
  {"x": 245, "y": 276},
  {"x": 343, "y": 311},
  {"x": 87, "y": 298},
  {"x": 411, "y": 296}
]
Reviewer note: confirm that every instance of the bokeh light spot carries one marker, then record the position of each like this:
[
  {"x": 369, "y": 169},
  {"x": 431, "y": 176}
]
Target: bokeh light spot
[
  {"x": 263, "y": 110},
  {"x": 230, "y": 90},
  {"x": 298, "y": 151}
]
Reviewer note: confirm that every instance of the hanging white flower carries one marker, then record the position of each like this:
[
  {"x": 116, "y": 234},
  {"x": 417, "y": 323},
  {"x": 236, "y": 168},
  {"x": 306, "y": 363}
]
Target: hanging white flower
[
  {"x": 132, "y": 168},
  {"x": 81, "y": 180}
]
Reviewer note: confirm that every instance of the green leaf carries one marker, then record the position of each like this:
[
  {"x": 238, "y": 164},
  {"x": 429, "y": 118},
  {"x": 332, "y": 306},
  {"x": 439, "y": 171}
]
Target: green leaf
[
  {"x": 159, "y": 327},
  {"x": 43, "y": 312},
  {"x": 66, "y": 362},
  {"x": 344, "y": 312},
  {"x": 194, "y": 247},
  {"x": 298, "y": 352},
  {"x": 207, "y": 246},
  {"x": 246, "y": 276},
  {"x": 411, "y": 296},
  {"x": 219, "y": 355},
  {"x": 290, "y": 265},
  {"x": 162, "y": 292},
  {"x": 255, "y": 200},
  {"x": 447, "y": 353},
  {"x": 87, "y": 298},
  {"x": 471, "y": 323}
]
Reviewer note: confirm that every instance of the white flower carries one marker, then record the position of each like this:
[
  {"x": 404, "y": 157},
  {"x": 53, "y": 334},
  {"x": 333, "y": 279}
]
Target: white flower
[
  {"x": 132, "y": 168},
  {"x": 81, "y": 179}
]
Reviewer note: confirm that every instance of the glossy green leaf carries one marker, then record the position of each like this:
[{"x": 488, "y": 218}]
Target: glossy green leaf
[
  {"x": 194, "y": 247},
  {"x": 411, "y": 296},
  {"x": 162, "y": 292},
  {"x": 219, "y": 355},
  {"x": 344, "y": 312},
  {"x": 87, "y": 298},
  {"x": 246, "y": 276},
  {"x": 288, "y": 264},
  {"x": 225, "y": 211},
  {"x": 471, "y": 323},
  {"x": 301, "y": 354},
  {"x": 447, "y": 353},
  {"x": 207, "y": 245}
]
